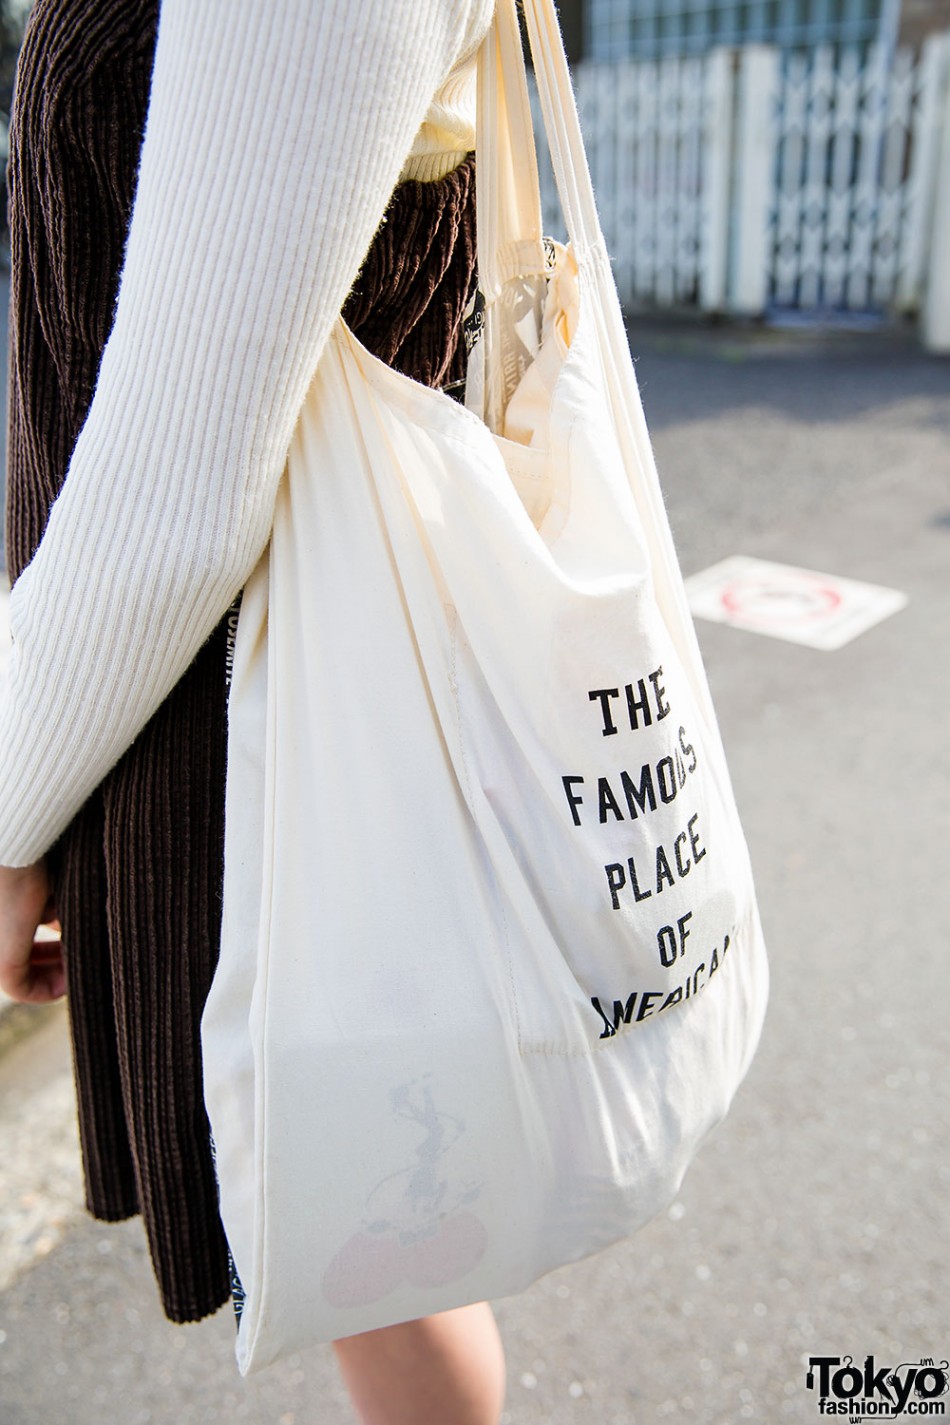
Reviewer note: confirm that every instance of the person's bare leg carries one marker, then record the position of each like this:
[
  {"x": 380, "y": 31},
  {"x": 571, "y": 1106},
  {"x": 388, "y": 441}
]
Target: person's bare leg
[{"x": 447, "y": 1369}]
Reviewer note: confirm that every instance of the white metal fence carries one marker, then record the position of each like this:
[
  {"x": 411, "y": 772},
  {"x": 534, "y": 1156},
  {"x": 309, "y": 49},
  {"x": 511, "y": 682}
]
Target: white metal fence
[
  {"x": 749, "y": 179},
  {"x": 652, "y": 27}
]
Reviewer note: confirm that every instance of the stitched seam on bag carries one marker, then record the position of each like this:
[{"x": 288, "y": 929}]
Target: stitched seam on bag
[
  {"x": 558, "y": 506},
  {"x": 260, "y": 1114},
  {"x": 453, "y": 673}
]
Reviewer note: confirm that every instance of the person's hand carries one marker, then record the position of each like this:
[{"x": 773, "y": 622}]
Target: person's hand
[{"x": 31, "y": 965}]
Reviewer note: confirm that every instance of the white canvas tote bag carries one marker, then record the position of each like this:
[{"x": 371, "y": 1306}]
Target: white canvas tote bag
[{"x": 491, "y": 964}]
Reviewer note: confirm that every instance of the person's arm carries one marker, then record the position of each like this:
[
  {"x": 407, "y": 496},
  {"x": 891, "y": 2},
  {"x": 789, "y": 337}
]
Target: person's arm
[{"x": 276, "y": 132}]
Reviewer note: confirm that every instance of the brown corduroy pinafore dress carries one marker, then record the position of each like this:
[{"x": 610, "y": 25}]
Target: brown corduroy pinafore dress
[{"x": 138, "y": 873}]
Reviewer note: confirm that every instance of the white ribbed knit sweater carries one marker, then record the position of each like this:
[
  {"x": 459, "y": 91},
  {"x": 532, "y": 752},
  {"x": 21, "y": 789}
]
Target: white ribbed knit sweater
[{"x": 276, "y": 132}]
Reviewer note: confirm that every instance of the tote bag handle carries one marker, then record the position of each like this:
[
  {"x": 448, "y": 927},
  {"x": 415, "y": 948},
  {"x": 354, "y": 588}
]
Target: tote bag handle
[
  {"x": 507, "y": 191},
  {"x": 508, "y": 215},
  {"x": 508, "y": 199}
]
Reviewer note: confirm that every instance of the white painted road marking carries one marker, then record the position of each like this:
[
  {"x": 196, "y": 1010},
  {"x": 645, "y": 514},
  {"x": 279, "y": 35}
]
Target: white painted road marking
[{"x": 799, "y": 605}]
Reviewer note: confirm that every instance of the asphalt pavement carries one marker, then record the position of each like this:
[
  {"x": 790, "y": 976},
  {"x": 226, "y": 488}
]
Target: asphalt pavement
[{"x": 814, "y": 1222}]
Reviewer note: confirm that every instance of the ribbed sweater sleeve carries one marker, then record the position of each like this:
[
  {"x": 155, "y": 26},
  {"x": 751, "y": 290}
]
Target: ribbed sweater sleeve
[{"x": 276, "y": 132}]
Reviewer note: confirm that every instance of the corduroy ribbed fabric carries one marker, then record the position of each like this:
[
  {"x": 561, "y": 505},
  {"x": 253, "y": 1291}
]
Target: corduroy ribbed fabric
[{"x": 138, "y": 871}]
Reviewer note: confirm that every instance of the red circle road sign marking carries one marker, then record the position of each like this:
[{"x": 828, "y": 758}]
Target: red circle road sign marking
[{"x": 788, "y": 600}]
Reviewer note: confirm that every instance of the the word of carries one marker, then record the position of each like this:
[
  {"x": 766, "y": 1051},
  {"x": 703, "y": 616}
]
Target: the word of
[{"x": 645, "y": 1002}]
